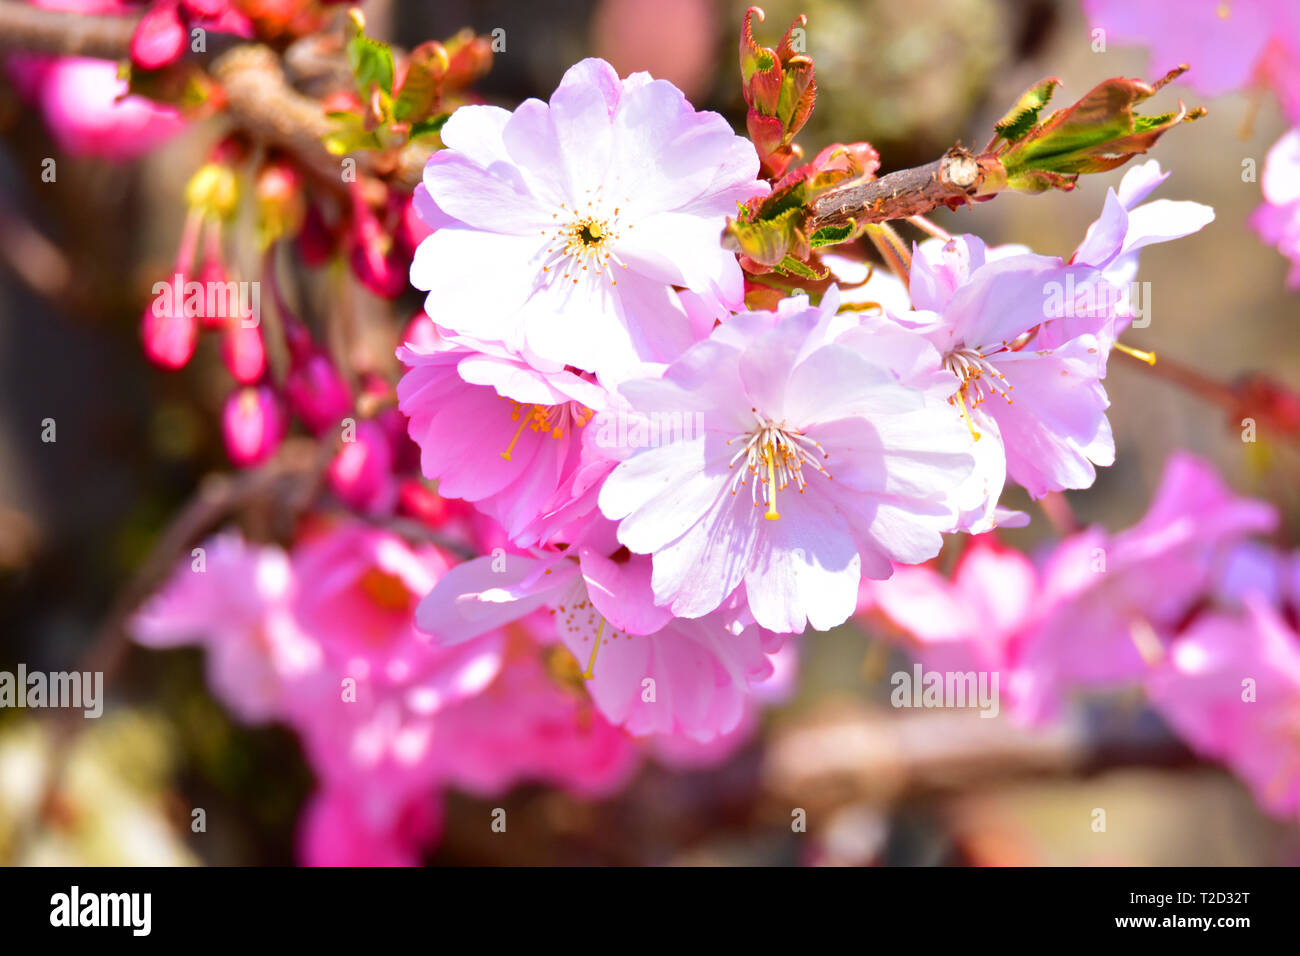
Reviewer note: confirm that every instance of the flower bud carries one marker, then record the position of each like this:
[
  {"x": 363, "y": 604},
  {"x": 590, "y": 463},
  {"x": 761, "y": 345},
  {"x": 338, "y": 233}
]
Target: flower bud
[
  {"x": 281, "y": 205},
  {"x": 242, "y": 351},
  {"x": 214, "y": 189},
  {"x": 167, "y": 329},
  {"x": 361, "y": 474},
  {"x": 159, "y": 38},
  {"x": 253, "y": 424},
  {"x": 317, "y": 393}
]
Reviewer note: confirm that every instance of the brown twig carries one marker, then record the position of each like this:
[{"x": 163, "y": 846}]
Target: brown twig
[
  {"x": 36, "y": 30},
  {"x": 953, "y": 178},
  {"x": 843, "y": 754},
  {"x": 1255, "y": 396}
]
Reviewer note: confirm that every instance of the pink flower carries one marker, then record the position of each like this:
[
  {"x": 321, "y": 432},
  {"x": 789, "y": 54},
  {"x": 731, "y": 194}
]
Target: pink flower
[
  {"x": 529, "y": 728},
  {"x": 1126, "y": 224},
  {"x": 357, "y": 593},
  {"x": 341, "y": 827},
  {"x": 1040, "y": 398},
  {"x": 1230, "y": 687},
  {"x": 785, "y": 461},
  {"x": 1278, "y": 220},
  {"x": 233, "y": 599},
  {"x": 645, "y": 670},
  {"x": 1098, "y": 611},
  {"x": 1228, "y": 44},
  {"x": 501, "y": 434},
  {"x": 562, "y": 228}
]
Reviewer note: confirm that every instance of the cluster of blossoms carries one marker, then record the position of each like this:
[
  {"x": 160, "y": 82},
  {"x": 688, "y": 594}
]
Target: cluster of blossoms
[
  {"x": 697, "y": 479},
  {"x": 1185, "y": 604},
  {"x": 671, "y": 461},
  {"x": 1250, "y": 44},
  {"x": 323, "y": 639}
]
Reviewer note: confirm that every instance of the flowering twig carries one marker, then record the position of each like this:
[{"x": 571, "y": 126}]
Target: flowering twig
[
  {"x": 258, "y": 97},
  {"x": 1255, "y": 396}
]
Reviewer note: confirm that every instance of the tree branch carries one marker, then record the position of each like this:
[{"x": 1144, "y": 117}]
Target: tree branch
[
  {"x": 953, "y": 178},
  {"x": 35, "y": 30}
]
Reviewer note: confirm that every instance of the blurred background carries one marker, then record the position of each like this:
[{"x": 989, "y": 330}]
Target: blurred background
[{"x": 78, "y": 516}]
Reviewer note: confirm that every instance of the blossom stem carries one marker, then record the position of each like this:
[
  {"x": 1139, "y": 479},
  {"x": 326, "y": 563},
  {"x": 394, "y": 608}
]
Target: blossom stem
[
  {"x": 892, "y": 249},
  {"x": 930, "y": 227}
]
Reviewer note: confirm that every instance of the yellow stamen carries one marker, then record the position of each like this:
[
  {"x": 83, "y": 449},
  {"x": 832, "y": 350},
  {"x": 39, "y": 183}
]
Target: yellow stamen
[
  {"x": 772, "y": 513},
  {"x": 1148, "y": 357},
  {"x": 522, "y": 424},
  {"x": 961, "y": 403},
  {"x": 590, "y": 672}
]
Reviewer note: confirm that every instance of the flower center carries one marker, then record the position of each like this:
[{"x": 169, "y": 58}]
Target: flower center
[
  {"x": 583, "y": 244},
  {"x": 774, "y": 456},
  {"x": 554, "y": 419},
  {"x": 979, "y": 378},
  {"x": 386, "y": 590}
]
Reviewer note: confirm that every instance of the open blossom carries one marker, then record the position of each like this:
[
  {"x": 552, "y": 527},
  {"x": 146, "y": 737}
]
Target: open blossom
[
  {"x": 1110, "y": 245},
  {"x": 1099, "y": 609},
  {"x": 562, "y": 228},
  {"x": 1040, "y": 401},
  {"x": 234, "y": 599},
  {"x": 340, "y": 827},
  {"x": 497, "y": 432},
  {"x": 700, "y": 672},
  {"x": 1230, "y": 687},
  {"x": 806, "y": 463},
  {"x": 1278, "y": 220},
  {"x": 530, "y": 727}
]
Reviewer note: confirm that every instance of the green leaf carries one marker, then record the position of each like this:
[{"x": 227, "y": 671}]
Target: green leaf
[
  {"x": 792, "y": 266},
  {"x": 429, "y": 127},
  {"x": 1098, "y": 133},
  {"x": 422, "y": 86},
  {"x": 372, "y": 63},
  {"x": 350, "y": 135},
  {"x": 767, "y": 241},
  {"x": 830, "y": 235},
  {"x": 1020, "y": 119}
]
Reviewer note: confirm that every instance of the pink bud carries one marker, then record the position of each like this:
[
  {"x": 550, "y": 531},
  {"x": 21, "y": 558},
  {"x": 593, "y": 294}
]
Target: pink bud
[
  {"x": 316, "y": 240},
  {"x": 211, "y": 274},
  {"x": 317, "y": 393},
  {"x": 205, "y": 8},
  {"x": 168, "y": 332},
  {"x": 253, "y": 425},
  {"x": 406, "y": 453},
  {"x": 243, "y": 352},
  {"x": 159, "y": 38},
  {"x": 361, "y": 474}
]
